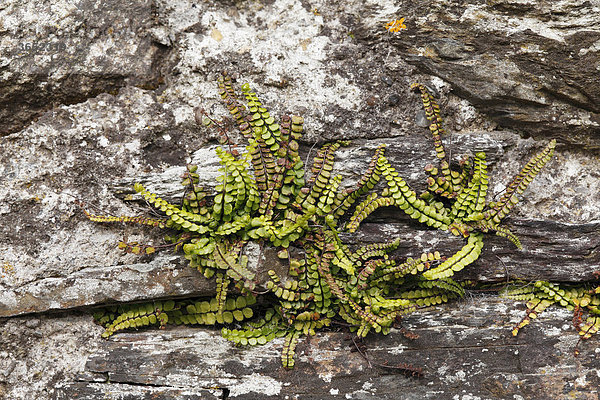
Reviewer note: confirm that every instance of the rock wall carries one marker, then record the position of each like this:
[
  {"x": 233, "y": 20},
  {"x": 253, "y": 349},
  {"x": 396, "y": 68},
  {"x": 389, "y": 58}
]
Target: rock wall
[{"x": 96, "y": 95}]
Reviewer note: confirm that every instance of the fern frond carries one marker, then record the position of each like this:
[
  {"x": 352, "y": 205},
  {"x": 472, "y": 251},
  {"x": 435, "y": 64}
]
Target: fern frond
[
  {"x": 323, "y": 262},
  {"x": 364, "y": 209},
  {"x": 367, "y": 271},
  {"x": 519, "y": 183},
  {"x": 137, "y": 316},
  {"x": 523, "y": 292},
  {"x": 321, "y": 174},
  {"x": 410, "y": 266},
  {"x": 372, "y": 250},
  {"x": 288, "y": 291},
  {"x": 194, "y": 199},
  {"x": 432, "y": 111},
  {"x": 259, "y": 332},
  {"x": 591, "y": 326},
  {"x": 471, "y": 200},
  {"x": 465, "y": 256},
  {"x": 450, "y": 286},
  {"x": 406, "y": 199},
  {"x": 346, "y": 198},
  {"x": 178, "y": 218},
  {"x": 428, "y": 297},
  {"x": 293, "y": 179},
  {"x": 534, "y": 308},
  {"x": 140, "y": 220},
  {"x": 230, "y": 98},
  {"x": 228, "y": 261},
  {"x": 289, "y": 347},
  {"x": 208, "y": 312},
  {"x": 260, "y": 119}
]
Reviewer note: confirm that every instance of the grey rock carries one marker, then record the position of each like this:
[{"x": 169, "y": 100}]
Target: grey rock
[
  {"x": 60, "y": 52},
  {"x": 32, "y": 323},
  {"x": 531, "y": 68},
  {"x": 421, "y": 119}
]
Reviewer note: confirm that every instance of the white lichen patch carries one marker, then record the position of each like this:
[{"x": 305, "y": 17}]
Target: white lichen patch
[
  {"x": 465, "y": 397},
  {"x": 439, "y": 84},
  {"x": 458, "y": 375},
  {"x": 256, "y": 383},
  {"x": 581, "y": 381},
  {"x": 552, "y": 331},
  {"x": 594, "y": 48},
  {"x": 466, "y": 113},
  {"x": 293, "y": 54},
  {"x": 103, "y": 141},
  {"x": 326, "y": 377},
  {"x": 59, "y": 355},
  {"x": 557, "y": 29},
  {"x": 369, "y": 386},
  {"x": 395, "y": 349}
]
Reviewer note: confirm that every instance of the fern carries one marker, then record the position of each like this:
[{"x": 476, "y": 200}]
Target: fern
[
  {"x": 262, "y": 196},
  {"x": 542, "y": 294}
]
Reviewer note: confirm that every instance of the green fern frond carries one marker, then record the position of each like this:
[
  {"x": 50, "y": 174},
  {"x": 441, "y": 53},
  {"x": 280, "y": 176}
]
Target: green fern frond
[
  {"x": 227, "y": 260},
  {"x": 321, "y": 177},
  {"x": 230, "y": 98},
  {"x": 259, "y": 332},
  {"x": 592, "y": 326},
  {"x": 407, "y": 200},
  {"x": 471, "y": 199},
  {"x": 534, "y": 308},
  {"x": 366, "y": 252},
  {"x": 364, "y": 209},
  {"x": 137, "y": 316},
  {"x": 428, "y": 297},
  {"x": 519, "y": 183},
  {"x": 346, "y": 198},
  {"x": 542, "y": 294},
  {"x": 432, "y": 111},
  {"x": 289, "y": 347},
  {"x": 465, "y": 256}
]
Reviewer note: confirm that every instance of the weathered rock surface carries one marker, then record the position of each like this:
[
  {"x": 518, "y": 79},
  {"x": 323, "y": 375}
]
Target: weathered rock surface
[
  {"x": 531, "y": 66},
  {"x": 59, "y": 52},
  {"x": 560, "y": 259},
  {"x": 464, "y": 349},
  {"x": 116, "y": 106}
]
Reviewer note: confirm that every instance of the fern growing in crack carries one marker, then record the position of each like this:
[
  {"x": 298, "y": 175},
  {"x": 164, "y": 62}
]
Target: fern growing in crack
[
  {"x": 540, "y": 295},
  {"x": 263, "y": 196}
]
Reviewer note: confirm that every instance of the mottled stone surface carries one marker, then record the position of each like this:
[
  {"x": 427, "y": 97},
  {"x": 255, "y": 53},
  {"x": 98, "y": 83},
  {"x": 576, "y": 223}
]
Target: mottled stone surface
[
  {"x": 61, "y": 52},
  {"x": 531, "y": 66},
  {"x": 115, "y": 105},
  {"x": 464, "y": 350}
]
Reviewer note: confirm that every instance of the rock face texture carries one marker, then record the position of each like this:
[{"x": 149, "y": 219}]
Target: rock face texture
[
  {"x": 530, "y": 66},
  {"x": 64, "y": 53},
  {"x": 96, "y": 95}
]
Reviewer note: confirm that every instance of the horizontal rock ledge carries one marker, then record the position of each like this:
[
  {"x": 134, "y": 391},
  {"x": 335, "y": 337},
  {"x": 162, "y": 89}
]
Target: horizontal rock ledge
[
  {"x": 407, "y": 154},
  {"x": 163, "y": 277},
  {"x": 466, "y": 341},
  {"x": 552, "y": 251}
]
